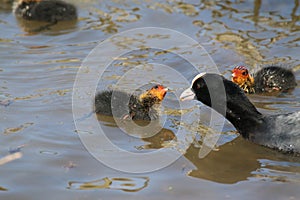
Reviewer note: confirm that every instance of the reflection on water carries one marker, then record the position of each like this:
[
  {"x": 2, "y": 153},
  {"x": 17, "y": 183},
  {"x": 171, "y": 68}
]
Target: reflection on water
[
  {"x": 36, "y": 27},
  {"x": 133, "y": 184},
  {"x": 225, "y": 165},
  {"x": 235, "y": 161},
  {"x": 278, "y": 171},
  {"x": 17, "y": 129},
  {"x": 160, "y": 140},
  {"x": 241, "y": 160}
]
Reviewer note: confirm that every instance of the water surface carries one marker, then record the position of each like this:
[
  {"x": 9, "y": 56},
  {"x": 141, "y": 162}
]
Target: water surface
[{"x": 37, "y": 74}]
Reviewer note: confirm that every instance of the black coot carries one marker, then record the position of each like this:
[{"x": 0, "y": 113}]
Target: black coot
[{"x": 280, "y": 132}]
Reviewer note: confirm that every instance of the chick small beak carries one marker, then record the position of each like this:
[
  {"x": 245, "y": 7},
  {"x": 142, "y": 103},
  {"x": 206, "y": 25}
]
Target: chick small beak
[
  {"x": 166, "y": 89},
  {"x": 233, "y": 74},
  {"x": 187, "y": 94}
]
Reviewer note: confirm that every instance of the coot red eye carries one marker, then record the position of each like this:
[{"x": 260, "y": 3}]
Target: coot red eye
[
  {"x": 156, "y": 87},
  {"x": 251, "y": 124}
]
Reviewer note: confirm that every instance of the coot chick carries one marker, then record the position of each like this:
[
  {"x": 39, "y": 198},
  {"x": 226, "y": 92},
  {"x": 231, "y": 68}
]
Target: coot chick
[
  {"x": 45, "y": 10},
  {"x": 267, "y": 80},
  {"x": 121, "y": 104},
  {"x": 280, "y": 132}
]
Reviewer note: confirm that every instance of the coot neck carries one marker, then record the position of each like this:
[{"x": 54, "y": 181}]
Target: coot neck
[
  {"x": 244, "y": 117},
  {"x": 232, "y": 104}
]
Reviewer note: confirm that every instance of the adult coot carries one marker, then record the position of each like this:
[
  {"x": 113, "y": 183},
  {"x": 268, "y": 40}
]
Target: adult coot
[{"x": 280, "y": 132}]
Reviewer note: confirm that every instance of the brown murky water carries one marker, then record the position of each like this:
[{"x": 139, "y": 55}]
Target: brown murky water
[{"x": 37, "y": 74}]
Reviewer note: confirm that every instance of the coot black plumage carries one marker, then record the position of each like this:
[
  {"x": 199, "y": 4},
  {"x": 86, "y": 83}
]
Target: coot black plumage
[
  {"x": 280, "y": 132},
  {"x": 121, "y": 104},
  {"x": 268, "y": 79},
  {"x": 45, "y": 10}
]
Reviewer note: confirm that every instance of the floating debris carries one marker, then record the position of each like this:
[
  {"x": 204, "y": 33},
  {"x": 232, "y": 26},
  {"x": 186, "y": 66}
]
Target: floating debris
[
  {"x": 16, "y": 149},
  {"x": 48, "y": 152},
  {"x": 70, "y": 165},
  {"x": 10, "y": 157},
  {"x": 6, "y": 102}
]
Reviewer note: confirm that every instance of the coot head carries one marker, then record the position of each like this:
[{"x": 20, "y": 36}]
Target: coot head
[
  {"x": 274, "y": 131},
  {"x": 226, "y": 98},
  {"x": 154, "y": 95},
  {"x": 242, "y": 77}
]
